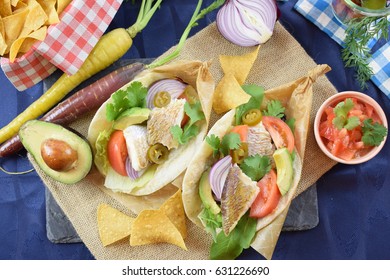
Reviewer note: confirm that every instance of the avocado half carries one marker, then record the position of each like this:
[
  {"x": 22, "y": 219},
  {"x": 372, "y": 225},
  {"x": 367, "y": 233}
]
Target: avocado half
[{"x": 34, "y": 133}]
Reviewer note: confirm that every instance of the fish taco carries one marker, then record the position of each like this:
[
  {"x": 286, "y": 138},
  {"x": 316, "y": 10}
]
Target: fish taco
[
  {"x": 145, "y": 135},
  {"x": 246, "y": 172}
]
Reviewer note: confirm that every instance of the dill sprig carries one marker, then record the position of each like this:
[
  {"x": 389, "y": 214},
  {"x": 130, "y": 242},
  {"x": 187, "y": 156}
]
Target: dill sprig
[{"x": 356, "y": 52}]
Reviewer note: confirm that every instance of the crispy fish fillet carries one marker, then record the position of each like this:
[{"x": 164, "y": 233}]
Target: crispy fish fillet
[
  {"x": 259, "y": 141},
  {"x": 137, "y": 146},
  {"x": 161, "y": 120},
  {"x": 238, "y": 194}
]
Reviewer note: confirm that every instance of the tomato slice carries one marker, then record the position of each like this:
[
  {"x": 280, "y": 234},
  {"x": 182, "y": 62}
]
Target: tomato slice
[
  {"x": 280, "y": 132},
  {"x": 117, "y": 152},
  {"x": 241, "y": 130},
  {"x": 268, "y": 197},
  {"x": 186, "y": 118}
]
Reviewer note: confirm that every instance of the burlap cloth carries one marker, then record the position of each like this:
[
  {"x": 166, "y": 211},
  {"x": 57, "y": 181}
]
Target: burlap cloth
[{"x": 280, "y": 60}]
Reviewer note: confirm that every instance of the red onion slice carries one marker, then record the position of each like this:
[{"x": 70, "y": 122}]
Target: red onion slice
[
  {"x": 218, "y": 174},
  {"x": 131, "y": 172},
  {"x": 173, "y": 86},
  {"x": 247, "y": 22}
]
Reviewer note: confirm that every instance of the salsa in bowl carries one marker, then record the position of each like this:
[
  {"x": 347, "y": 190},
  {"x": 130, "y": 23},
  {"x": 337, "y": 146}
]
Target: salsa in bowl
[{"x": 350, "y": 127}]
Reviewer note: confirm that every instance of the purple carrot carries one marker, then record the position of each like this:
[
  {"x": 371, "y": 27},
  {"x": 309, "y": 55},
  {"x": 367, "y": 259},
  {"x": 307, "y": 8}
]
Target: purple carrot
[{"x": 85, "y": 100}]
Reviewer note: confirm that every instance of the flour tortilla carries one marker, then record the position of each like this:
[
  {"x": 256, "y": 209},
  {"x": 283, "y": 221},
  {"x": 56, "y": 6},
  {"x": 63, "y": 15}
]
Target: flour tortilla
[
  {"x": 194, "y": 73},
  {"x": 297, "y": 98}
]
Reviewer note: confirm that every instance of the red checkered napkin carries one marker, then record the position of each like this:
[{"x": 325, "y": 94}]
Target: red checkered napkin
[{"x": 66, "y": 45}]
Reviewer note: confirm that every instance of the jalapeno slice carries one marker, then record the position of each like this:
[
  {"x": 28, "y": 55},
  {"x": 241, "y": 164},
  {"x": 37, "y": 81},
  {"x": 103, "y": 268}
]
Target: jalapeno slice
[
  {"x": 162, "y": 99},
  {"x": 239, "y": 154},
  {"x": 157, "y": 153},
  {"x": 252, "y": 117},
  {"x": 190, "y": 94}
]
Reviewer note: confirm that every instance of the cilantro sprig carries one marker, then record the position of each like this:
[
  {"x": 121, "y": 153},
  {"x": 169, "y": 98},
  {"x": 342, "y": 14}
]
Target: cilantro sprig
[
  {"x": 190, "y": 130},
  {"x": 229, "y": 142},
  {"x": 257, "y": 94},
  {"x": 256, "y": 166},
  {"x": 373, "y": 133},
  {"x": 133, "y": 96},
  {"x": 342, "y": 120},
  {"x": 275, "y": 108}
]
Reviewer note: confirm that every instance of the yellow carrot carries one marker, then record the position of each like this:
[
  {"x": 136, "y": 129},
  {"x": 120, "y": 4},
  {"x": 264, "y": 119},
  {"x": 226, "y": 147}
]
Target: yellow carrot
[{"x": 109, "y": 49}]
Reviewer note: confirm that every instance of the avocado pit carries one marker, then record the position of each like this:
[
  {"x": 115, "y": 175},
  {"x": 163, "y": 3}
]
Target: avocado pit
[{"x": 58, "y": 154}]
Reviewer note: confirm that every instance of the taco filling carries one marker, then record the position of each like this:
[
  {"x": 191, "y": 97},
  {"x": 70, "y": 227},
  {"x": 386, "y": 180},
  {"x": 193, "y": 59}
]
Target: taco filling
[
  {"x": 143, "y": 129},
  {"x": 249, "y": 167}
]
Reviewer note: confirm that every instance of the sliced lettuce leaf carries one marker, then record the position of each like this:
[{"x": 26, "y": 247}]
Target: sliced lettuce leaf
[{"x": 101, "y": 159}]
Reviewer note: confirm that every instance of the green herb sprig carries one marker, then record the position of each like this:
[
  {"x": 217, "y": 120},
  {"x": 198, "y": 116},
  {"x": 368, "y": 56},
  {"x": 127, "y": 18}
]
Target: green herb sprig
[{"x": 356, "y": 52}]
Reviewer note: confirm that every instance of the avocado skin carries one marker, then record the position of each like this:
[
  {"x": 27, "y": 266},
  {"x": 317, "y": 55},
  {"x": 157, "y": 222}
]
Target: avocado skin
[
  {"x": 33, "y": 133},
  {"x": 205, "y": 193}
]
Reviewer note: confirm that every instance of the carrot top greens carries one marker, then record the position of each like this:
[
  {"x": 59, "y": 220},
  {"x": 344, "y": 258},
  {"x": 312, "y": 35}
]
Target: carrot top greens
[
  {"x": 197, "y": 15},
  {"x": 146, "y": 12}
]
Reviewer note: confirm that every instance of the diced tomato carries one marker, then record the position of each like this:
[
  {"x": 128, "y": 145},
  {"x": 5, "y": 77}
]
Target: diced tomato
[
  {"x": 241, "y": 130},
  {"x": 268, "y": 197},
  {"x": 346, "y": 144},
  {"x": 328, "y": 131},
  {"x": 280, "y": 132},
  {"x": 117, "y": 152},
  {"x": 369, "y": 110},
  {"x": 186, "y": 118}
]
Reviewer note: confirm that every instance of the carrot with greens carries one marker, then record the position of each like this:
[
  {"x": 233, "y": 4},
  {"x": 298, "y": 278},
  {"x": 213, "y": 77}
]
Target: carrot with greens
[
  {"x": 196, "y": 16},
  {"x": 111, "y": 46},
  {"x": 85, "y": 100}
]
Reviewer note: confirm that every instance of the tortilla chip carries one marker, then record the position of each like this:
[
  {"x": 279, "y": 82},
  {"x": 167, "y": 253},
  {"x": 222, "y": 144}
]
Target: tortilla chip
[
  {"x": 174, "y": 210},
  {"x": 228, "y": 94},
  {"x": 38, "y": 35},
  {"x": 3, "y": 45},
  {"x": 61, "y": 5},
  {"x": 239, "y": 65},
  {"x": 13, "y": 26},
  {"x": 153, "y": 226},
  {"x": 5, "y": 8},
  {"x": 2, "y": 31},
  {"x": 19, "y": 7},
  {"x": 50, "y": 10},
  {"x": 14, "y": 3},
  {"x": 113, "y": 225},
  {"x": 36, "y": 16}
]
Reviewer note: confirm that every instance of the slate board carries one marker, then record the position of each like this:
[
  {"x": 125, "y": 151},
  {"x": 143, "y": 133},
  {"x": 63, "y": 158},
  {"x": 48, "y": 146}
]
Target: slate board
[{"x": 302, "y": 215}]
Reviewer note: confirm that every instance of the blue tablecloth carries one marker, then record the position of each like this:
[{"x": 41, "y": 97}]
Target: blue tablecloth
[{"x": 354, "y": 201}]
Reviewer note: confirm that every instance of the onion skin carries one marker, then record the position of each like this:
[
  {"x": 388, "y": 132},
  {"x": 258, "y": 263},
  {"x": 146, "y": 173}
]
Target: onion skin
[
  {"x": 247, "y": 22},
  {"x": 174, "y": 87},
  {"x": 218, "y": 174}
]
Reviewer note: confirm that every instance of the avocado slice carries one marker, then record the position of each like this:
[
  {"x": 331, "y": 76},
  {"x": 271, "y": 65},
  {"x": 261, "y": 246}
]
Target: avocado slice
[
  {"x": 206, "y": 195},
  {"x": 60, "y": 153},
  {"x": 284, "y": 169},
  {"x": 135, "y": 115}
]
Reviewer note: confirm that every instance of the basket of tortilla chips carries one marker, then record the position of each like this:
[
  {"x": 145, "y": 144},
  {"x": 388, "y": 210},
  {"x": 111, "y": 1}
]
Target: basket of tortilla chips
[{"x": 39, "y": 36}]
